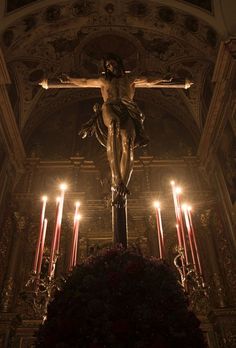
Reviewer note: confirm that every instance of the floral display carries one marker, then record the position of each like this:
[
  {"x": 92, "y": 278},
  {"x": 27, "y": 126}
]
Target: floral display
[{"x": 120, "y": 299}]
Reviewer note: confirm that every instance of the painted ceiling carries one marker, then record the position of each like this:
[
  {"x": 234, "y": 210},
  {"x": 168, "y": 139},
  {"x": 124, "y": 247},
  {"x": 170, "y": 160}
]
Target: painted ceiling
[
  {"x": 46, "y": 38},
  {"x": 12, "y": 5}
]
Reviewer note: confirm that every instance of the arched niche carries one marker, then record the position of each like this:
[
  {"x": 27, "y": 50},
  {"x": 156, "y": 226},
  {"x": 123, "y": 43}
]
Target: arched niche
[{"x": 56, "y": 137}]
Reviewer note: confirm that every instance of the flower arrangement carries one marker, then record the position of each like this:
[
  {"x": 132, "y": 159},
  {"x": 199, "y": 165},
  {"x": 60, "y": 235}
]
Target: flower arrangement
[{"x": 120, "y": 299}]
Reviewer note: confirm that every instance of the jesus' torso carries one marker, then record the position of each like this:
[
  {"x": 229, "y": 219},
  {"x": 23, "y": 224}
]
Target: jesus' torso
[{"x": 117, "y": 88}]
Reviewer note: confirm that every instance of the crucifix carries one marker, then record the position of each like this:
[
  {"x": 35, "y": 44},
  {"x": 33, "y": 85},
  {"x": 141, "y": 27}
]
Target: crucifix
[{"x": 123, "y": 122}]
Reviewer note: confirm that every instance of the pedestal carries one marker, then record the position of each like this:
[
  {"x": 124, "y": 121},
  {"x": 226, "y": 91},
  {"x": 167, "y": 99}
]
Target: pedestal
[{"x": 119, "y": 222}]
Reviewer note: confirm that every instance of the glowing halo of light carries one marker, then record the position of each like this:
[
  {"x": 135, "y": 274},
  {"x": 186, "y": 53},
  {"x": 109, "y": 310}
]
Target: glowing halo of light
[
  {"x": 44, "y": 198},
  {"x": 156, "y": 204},
  {"x": 178, "y": 190},
  {"x": 63, "y": 186}
]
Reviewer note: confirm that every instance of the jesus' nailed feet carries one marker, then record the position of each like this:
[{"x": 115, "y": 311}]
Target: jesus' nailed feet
[{"x": 120, "y": 193}]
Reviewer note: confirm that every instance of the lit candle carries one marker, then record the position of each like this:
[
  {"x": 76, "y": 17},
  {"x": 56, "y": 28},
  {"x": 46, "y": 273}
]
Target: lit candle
[
  {"x": 180, "y": 221},
  {"x": 74, "y": 241},
  {"x": 190, "y": 235},
  {"x": 63, "y": 188},
  {"x": 159, "y": 229},
  {"x": 174, "y": 199},
  {"x": 44, "y": 199},
  {"x": 54, "y": 239},
  {"x": 194, "y": 240},
  {"x": 174, "y": 193},
  {"x": 45, "y": 223},
  {"x": 178, "y": 235},
  {"x": 176, "y": 214}
]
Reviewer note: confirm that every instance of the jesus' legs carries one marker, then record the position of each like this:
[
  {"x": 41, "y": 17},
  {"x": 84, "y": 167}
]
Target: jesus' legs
[
  {"x": 127, "y": 152},
  {"x": 112, "y": 123},
  {"x": 120, "y": 145},
  {"x": 113, "y": 151}
]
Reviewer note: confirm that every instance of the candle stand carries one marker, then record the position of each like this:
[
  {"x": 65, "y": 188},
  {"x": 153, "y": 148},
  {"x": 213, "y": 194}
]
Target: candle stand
[
  {"x": 40, "y": 289},
  {"x": 119, "y": 221},
  {"x": 192, "y": 282},
  {"x": 43, "y": 282}
]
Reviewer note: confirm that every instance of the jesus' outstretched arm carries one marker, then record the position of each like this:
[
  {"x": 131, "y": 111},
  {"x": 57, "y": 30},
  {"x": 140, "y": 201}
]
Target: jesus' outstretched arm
[
  {"x": 158, "y": 82},
  {"x": 65, "y": 81}
]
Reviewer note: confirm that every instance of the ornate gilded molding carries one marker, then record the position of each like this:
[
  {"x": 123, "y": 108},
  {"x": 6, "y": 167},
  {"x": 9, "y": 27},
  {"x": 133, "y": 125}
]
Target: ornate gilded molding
[
  {"x": 220, "y": 106},
  {"x": 161, "y": 38},
  {"x": 7, "y": 294},
  {"x": 214, "y": 277},
  {"x": 226, "y": 252},
  {"x": 224, "y": 326}
]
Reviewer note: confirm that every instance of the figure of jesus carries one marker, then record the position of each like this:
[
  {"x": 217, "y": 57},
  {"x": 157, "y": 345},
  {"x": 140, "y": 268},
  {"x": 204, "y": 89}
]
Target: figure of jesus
[{"x": 120, "y": 114}]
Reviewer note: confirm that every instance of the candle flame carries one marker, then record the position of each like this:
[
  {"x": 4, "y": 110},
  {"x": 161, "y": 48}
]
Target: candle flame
[
  {"x": 172, "y": 183},
  {"x": 178, "y": 190},
  {"x": 184, "y": 206},
  {"x": 44, "y": 198},
  {"x": 58, "y": 199},
  {"x": 63, "y": 187},
  {"x": 156, "y": 204},
  {"x": 77, "y": 204},
  {"x": 189, "y": 208}
]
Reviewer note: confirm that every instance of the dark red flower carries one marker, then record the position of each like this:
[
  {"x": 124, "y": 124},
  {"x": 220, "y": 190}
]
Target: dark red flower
[
  {"x": 96, "y": 345},
  {"x": 120, "y": 326},
  {"x": 120, "y": 299},
  {"x": 133, "y": 267},
  {"x": 114, "y": 278},
  {"x": 159, "y": 342}
]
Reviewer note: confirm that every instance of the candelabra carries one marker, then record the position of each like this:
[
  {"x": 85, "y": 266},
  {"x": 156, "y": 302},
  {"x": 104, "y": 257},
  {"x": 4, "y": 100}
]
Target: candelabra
[
  {"x": 187, "y": 260},
  {"x": 192, "y": 282},
  {"x": 40, "y": 288},
  {"x": 42, "y": 282}
]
